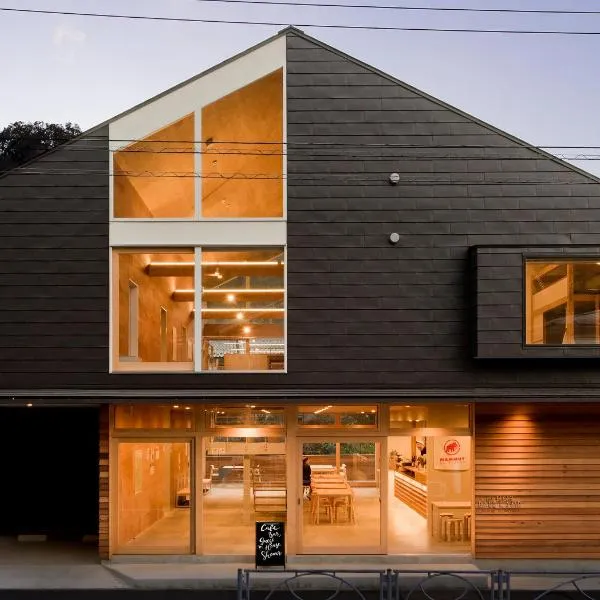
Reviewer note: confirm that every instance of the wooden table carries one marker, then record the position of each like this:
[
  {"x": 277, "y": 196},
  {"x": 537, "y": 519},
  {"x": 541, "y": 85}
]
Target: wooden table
[
  {"x": 317, "y": 485},
  {"x": 333, "y": 494}
]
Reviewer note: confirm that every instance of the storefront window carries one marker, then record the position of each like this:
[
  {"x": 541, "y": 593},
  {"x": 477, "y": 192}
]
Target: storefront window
[
  {"x": 153, "y": 326},
  {"x": 418, "y": 416},
  {"x": 333, "y": 416},
  {"x": 429, "y": 494},
  {"x": 155, "y": 498},
  {"x": 245, "y": 416},
  {"x": 243, "y": 310},
  {"x": 562, "y": 303},
  {"x": 154, "y": 417}
]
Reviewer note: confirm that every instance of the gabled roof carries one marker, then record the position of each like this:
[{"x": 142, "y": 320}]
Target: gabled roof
[{"x": 290, "y": 30}]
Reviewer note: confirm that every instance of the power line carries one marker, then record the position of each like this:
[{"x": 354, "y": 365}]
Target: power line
[
  {"x": 413, "y": 8},
  {"x": 315, "y": 144},
  {"x": 339, "y": 156},
  {"x": 316, "y": 25},
  {"x": 345, "y": 177}
]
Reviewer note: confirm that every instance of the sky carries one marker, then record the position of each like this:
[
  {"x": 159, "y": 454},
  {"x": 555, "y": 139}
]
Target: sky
[{"x": 544, "y": 89}]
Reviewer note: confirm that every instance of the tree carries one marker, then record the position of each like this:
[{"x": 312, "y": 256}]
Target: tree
[{"x": 20, "y": 141}]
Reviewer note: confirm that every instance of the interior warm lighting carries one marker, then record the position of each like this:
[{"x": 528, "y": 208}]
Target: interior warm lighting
[
  {"x": 247, "y": 310},
  {"x": 171, "y": 264},
  {"x": 230, "y": 297},
  {"x": 247, "y": 329},
  {"x": 267, "y": 412},
  {"x": 243, "y": 263},
  {"x": 239, "y": 316},
  {"x": 238, "y": 263},
  {"x": 244, "y": 291},
  {"x": 320, "y": 410},
  {"x": 29, "y": 404},
  {"x": 176, "y": 406},
  {"x": 188, "y": 408}
]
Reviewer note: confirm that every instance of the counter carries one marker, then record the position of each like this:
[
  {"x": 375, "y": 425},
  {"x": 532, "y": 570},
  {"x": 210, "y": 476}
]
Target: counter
[{"x": 412, "y": 492}]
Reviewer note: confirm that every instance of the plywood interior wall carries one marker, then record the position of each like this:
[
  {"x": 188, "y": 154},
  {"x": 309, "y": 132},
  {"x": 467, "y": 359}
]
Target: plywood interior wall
[
  {"x": 154, "y": 178},
  {"x": 242, "y": 136},
  {"x": 154, "y": 293},
  {"x": 149, "y": 476},
  {"x": 546, "y": 460}
]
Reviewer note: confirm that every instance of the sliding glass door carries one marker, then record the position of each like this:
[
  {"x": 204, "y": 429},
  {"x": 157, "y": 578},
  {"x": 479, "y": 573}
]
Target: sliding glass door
[{"x": 340, "y": 496}]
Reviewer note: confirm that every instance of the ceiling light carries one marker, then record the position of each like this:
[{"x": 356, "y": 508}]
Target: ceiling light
[
  {"x": 373, "y": 411},
  {"x": 243, "y": 291},
  {"x": 239, "y": 316},
  {"x": 243, "y": 263},
  {"x": 188, "y": 408},
  {"x": 235, "y": 263},
  {"x": 176, "y": 406},
  {"x": 230, "y": 297},
  {"x": 29, "y": 405},
  {"x": 253, "y": 406},
  {"x": 248, "y": 310},
  {"x": 267, "y": 412},
  {"x": 247, "y": 329}
]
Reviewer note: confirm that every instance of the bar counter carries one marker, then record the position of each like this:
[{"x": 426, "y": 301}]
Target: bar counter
[{"x": 410, "y": 491}]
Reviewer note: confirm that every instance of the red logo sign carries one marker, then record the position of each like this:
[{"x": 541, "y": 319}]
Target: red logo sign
[{"x": 451, "y": 447}]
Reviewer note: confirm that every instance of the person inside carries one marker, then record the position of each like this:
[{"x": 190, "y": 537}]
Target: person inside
[{"x": 306, "y": 476}]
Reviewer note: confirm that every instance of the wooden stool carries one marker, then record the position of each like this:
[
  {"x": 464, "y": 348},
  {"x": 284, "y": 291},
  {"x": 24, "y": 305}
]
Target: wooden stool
[
  {"x": 443, "y": 531},
  {"x": 454, "y": 529},
  {"x": 467, "y": 526}
]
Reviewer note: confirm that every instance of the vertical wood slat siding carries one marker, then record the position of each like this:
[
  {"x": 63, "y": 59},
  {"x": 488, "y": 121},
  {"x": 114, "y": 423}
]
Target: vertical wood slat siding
[
  {"x": 104, "y": 499},
  {"x": 548, "y": 459}
]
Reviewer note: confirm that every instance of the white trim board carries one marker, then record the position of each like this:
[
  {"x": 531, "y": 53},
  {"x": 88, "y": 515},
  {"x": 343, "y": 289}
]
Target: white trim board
[
  {"x": 156, "y": 234},
  {"x": 198, "y": 93}
]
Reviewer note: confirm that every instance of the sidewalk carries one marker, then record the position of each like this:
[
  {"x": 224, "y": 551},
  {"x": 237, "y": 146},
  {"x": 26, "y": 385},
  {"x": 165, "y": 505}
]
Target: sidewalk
[{"x": 45, "y": 566}]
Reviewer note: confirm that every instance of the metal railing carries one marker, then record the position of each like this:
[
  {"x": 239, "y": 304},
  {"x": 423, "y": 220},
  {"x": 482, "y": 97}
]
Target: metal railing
[{"x": 415, "y": 584}]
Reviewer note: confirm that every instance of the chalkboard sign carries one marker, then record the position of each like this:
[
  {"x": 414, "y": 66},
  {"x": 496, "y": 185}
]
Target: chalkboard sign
[{"x": 270, "y": 544}]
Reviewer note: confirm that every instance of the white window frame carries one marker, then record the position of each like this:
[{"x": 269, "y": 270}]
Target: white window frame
[
  {"x": 191, "y": 97},
  {"x": 175, "y": 367}
]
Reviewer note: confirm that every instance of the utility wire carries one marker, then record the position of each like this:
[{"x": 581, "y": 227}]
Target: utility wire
[
  {"x": 413, "y": 8},
  {"x": 312, "y": 144},
  {"x": 339, "y": 156},
  {"x": 344, "y": 177},
  {"x": 317, "y": 25}
]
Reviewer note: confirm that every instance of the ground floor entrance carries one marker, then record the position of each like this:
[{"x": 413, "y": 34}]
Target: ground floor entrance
[{"x": 346, "y": 479}]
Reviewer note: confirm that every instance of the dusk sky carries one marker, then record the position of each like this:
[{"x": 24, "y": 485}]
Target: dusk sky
[{"x": 544, "y": 89}]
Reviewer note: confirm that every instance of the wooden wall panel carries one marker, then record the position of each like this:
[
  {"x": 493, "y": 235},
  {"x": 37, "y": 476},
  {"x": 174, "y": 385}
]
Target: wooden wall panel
[
  {"x": 104, "y": 497},
  {"x": 546, "y": 460}
]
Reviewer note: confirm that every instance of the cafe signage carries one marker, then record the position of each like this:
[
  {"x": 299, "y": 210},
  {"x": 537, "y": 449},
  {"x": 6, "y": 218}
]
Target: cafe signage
[
  {"x": 270, "y": 544},
  {"x": 452, "y": 453}
]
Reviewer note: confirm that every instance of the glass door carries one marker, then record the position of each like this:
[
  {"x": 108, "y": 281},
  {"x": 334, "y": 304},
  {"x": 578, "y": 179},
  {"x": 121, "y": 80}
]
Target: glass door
[
  {"x": 340, "y": 503},
  {"x": 244, "y": 481},
  {"x": 154, "y": 497}
]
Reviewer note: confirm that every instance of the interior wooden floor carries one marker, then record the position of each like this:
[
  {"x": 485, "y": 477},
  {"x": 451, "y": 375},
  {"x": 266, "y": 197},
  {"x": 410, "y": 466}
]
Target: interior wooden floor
[{"x": 228, "y": 528}]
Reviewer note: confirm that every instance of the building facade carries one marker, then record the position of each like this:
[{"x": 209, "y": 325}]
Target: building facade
[{"x": 294, "y": 255}]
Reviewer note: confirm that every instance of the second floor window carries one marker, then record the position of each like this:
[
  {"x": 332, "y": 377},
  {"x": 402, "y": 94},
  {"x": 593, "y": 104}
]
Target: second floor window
[
  {"x": 562, "y": 301},
  {"x": 236, "y": 309}
]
